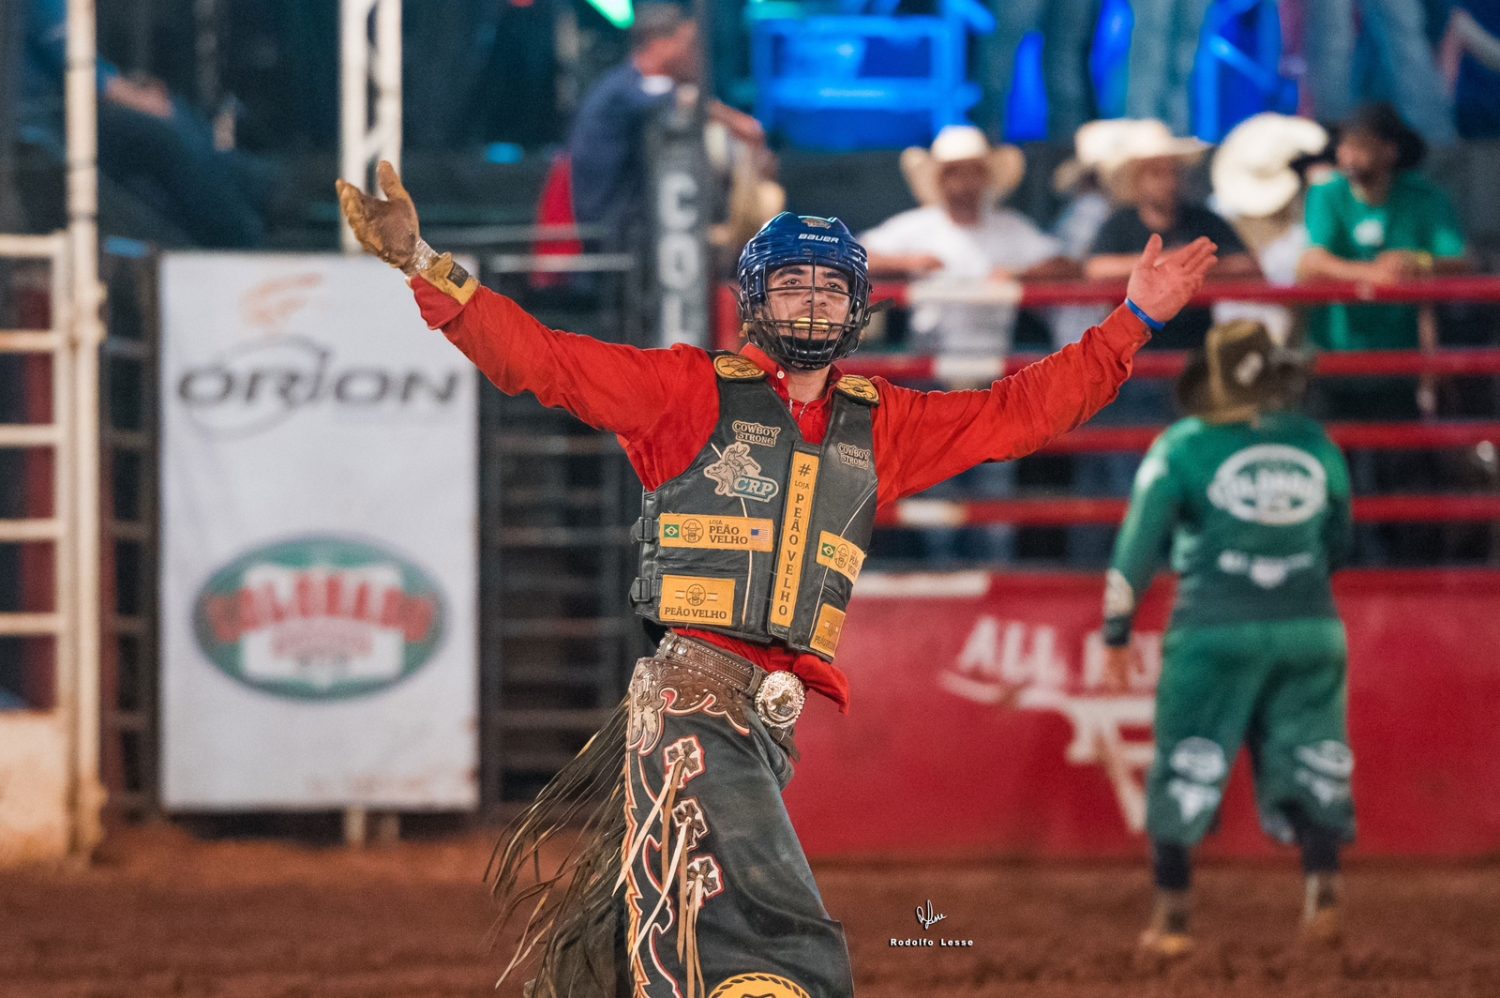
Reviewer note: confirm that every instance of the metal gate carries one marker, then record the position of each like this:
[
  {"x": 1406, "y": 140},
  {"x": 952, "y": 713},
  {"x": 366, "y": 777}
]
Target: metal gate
[
  {"x": 557, "y": 499},
  {"x": 129, "y": 441},
  {"x": 51, "y": 798}
]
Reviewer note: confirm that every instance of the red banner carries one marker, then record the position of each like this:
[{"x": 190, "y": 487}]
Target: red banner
[{"x": 977, "y": 724}]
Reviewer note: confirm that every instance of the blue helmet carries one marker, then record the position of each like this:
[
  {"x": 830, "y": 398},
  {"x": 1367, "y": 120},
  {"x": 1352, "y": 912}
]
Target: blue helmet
[{"x": 787, "y": 240}]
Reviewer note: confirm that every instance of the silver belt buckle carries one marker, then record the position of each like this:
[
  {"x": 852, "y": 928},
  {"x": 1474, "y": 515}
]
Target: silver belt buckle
[{"x": 779, "y": 699}]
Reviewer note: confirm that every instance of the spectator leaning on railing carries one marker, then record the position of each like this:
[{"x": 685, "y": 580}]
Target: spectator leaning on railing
[
  {"x": 1147, "y": 180},
  {"x": 1260, "y": 175},
  {"x": 1377, "y": 221},
  {"x": 1086, "y": 202},
  {"x": 1086, "y": 207},
  {"x": 962, "y": 233}
]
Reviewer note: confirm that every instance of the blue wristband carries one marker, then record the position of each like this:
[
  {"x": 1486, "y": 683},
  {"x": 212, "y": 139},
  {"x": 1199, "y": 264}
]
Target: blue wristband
[{"x": 1140, "y": 313}]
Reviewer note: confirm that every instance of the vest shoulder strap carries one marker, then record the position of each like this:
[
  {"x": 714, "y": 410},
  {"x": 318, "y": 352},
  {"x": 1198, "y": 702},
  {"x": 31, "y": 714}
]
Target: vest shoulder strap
[
  {"x": 733, "y": 367},
  {"x": 859, "y": 389}
]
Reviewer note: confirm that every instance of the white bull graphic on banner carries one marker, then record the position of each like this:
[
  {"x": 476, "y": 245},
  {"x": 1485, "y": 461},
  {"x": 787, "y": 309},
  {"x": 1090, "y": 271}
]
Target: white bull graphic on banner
[{"x": 1023, "y": 666}]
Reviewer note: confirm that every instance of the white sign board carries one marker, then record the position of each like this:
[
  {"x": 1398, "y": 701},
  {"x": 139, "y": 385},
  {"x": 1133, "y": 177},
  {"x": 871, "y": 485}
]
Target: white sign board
[{"x": 319, "y": 531}]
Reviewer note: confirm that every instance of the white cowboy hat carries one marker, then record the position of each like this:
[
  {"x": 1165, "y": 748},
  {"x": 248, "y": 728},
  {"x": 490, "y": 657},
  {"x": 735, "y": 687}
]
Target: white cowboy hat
[
  {"x": 1252, "y": 171},
  {"x": 955, "y": 144},
  {"x": 1148, "y": 139},
  {"x": 1095, "y": 145}
]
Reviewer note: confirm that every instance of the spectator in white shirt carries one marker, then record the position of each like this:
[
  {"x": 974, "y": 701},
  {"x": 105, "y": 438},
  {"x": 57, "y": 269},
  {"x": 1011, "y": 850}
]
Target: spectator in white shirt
[
  {"x": 962, "y": 235},
  {"x": 963, "y": 239}
]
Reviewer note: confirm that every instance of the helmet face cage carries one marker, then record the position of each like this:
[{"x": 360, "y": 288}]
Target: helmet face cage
[{"x": 804, "y": 342}]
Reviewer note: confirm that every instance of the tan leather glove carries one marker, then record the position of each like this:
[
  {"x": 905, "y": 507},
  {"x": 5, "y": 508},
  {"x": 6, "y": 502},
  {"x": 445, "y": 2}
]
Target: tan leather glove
[{"x": 388, "y": 228}]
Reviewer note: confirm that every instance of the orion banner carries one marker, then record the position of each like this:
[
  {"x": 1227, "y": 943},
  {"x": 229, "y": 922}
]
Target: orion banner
[{"x": 319, "y": 540}]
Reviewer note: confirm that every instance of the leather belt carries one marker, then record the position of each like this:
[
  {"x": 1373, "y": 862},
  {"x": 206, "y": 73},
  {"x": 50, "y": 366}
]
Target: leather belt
[{"x": 778, "y": 696}]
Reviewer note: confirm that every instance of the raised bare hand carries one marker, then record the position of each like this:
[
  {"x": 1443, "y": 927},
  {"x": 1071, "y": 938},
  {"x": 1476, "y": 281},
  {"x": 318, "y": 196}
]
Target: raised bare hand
[
  {"x": 387, "y": 228},
  {"x": 1162, "y": 283}
]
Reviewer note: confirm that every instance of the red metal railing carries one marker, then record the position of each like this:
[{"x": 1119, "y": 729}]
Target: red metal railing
[
  {"x": 1168, "y": 364},
  {"x": 1477, "y": 289},
  {"x": 1066, "y": 511},
  {"x": 1349, "y": 436},
  {"x": 1037, "y": 294}
]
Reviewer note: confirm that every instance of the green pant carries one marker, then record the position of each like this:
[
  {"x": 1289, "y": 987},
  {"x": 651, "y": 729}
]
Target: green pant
[{"x": 1279, "y": 688}]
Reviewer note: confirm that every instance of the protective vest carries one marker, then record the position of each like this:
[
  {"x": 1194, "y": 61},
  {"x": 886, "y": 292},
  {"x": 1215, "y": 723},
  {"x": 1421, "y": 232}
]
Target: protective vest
[{"x": 764, "y": 534}]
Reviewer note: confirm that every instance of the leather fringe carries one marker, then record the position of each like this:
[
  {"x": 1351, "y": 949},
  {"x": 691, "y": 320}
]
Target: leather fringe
[{"x": 571, "y": 925}]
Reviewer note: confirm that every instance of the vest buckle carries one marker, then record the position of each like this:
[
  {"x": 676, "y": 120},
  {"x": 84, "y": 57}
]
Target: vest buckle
[{"x": 642, "y": 590}]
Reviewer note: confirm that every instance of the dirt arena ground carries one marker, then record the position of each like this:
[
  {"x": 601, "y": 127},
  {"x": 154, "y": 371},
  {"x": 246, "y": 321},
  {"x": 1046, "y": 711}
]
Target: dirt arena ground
[{"x": 165, "y": 914}]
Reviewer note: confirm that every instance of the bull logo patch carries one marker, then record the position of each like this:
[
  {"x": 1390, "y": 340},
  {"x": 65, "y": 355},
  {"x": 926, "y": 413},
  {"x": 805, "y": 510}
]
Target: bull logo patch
[{"x": 737, "y": 474}]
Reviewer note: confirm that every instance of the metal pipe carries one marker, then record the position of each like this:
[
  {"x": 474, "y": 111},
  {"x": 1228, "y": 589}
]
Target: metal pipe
[
  {"x": 364, "y": 61},
  {"x": 22, "y": 625},
  {"x": 387, "y": 124},
  {"x": 31, "y": 247},
  {"x": 77, "y": 406},
  {"x": 29, "y": 341},
  {"x": 16, "y": 531},
  {"x": 353, "y": 104},
  {"x": 14, "y": 436}
]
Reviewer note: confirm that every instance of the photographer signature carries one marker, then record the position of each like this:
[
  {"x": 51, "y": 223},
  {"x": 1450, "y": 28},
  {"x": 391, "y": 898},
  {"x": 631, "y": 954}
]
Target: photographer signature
[{"x": 927, "y": 917}]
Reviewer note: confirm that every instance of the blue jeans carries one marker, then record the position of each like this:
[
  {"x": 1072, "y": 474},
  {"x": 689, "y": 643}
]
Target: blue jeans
[
  {"x": 1163, "y": 51},
  {"x": 1403, "y": 68},
  {"x": 1067, "y": 28}
]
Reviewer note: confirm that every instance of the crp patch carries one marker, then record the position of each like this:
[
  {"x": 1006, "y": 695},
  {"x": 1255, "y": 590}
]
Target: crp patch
[{"x": 319, "y": 618}]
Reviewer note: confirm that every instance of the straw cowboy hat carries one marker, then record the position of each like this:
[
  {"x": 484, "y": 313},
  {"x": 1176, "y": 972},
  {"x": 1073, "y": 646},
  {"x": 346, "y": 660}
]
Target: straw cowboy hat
[
  {"x": 1240, "y": 372},
  {"x": 1095, "y": 146},
  {"x": 955, "y": 144},
  {"x": 1148, "y": 139},
  {"x": 1253, "y": 172}
]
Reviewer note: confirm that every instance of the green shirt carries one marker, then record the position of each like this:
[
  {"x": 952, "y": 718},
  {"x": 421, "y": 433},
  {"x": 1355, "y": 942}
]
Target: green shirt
[
  {"x": 1416, "y": 216},
  {"x": 1256, "y": 517}
]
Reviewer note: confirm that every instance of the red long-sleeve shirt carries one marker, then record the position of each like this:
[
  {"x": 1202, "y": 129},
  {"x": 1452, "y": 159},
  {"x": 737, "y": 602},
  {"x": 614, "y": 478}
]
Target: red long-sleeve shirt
[{"x": 663, "y": 405}]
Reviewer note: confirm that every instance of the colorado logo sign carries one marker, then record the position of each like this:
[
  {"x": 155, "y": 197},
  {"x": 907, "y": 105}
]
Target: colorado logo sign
[
  {"x": 319, "y": 618},
  {"x": 1270, "y": 484}
]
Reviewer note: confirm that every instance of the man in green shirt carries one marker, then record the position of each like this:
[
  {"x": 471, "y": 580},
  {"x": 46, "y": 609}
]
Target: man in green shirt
[
  {"x": 1253, "y": 504},
  {"x": 1377, "y": 221}
]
